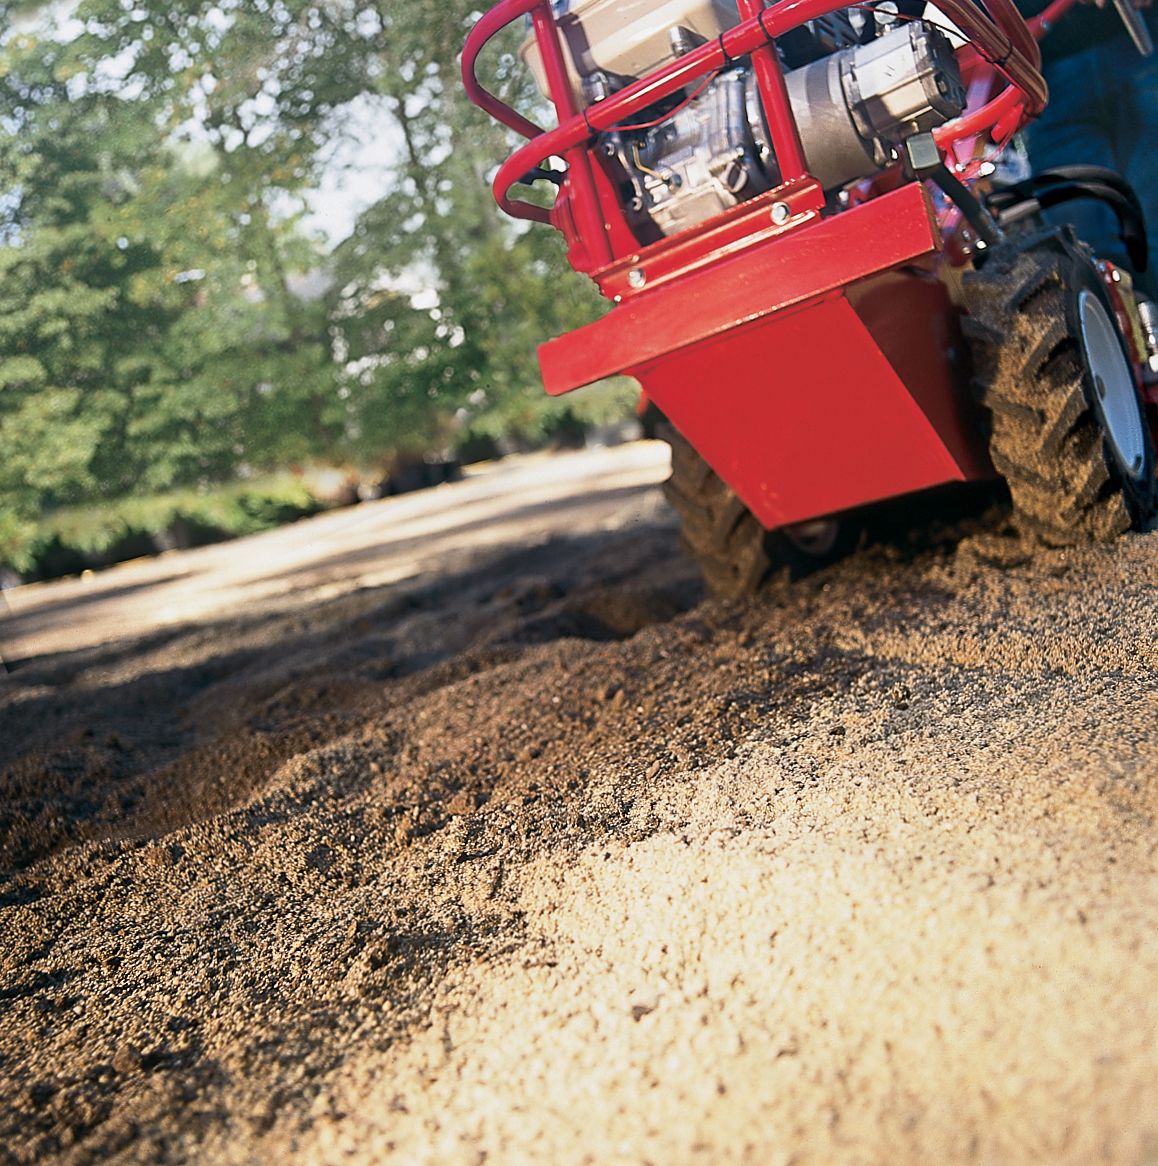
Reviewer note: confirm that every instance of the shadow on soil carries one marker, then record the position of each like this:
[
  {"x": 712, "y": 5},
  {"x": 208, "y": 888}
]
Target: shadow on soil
[
  {"x": 85, "y": 736},
  {"x": 121, "y": 742}
]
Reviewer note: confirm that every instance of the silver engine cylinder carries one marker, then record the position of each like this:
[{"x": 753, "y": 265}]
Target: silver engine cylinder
[{"x": 853, "y": 108}]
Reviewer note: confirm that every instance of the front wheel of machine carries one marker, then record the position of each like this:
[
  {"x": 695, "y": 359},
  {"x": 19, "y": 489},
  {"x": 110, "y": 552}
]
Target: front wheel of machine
[
  {"x": 1069, "y": 433},
  {"x": 716, "y": 529},
  {"x": 734, "y": 552}
]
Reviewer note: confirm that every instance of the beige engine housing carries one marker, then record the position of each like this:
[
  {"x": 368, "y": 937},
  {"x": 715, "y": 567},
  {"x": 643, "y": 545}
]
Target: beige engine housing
[{"x": 627, "y": 37}]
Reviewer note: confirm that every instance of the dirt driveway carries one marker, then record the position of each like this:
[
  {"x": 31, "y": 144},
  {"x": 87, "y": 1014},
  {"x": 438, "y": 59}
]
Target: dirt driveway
[{"x": 458, "y": 829}]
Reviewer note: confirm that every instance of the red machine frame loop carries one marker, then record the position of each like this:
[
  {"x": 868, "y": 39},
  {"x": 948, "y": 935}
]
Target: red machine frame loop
[
  {"x": 721, "y": 323},
  {"x": 591, "y": 218}
]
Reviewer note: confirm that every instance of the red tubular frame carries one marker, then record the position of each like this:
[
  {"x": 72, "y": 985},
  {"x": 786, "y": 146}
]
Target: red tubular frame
[
  {"x": 721, "y": 323},
  {"x": 1002, "y": 39},
  {"x": 777, "y": 106}
]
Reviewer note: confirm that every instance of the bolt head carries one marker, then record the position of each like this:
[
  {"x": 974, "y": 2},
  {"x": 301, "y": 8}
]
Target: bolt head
[
  {"x": 781, "y": 213},
  {"x": 637, "y": 277}
]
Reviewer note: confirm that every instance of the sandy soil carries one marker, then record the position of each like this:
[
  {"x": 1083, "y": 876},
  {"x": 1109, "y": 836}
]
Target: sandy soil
[{"x": 507, "y": 848}]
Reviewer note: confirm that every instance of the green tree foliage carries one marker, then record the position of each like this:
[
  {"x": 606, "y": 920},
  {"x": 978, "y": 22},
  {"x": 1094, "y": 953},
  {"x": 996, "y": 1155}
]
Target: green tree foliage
[
  {"x": 158, "y": 157},
  {"x": 241, "y": 92},
  {"x": 500, "y": 289},
  {"x": 82, "y": 314}
]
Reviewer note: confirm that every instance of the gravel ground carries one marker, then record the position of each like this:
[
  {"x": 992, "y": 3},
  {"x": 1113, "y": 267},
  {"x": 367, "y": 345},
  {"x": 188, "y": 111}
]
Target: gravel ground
[{"x": 530, "y": 855}]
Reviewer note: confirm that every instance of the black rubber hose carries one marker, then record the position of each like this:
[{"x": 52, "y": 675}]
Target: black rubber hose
[
  {"x": 969, "y": 205},
  {"x": 1064, "y": 184}
]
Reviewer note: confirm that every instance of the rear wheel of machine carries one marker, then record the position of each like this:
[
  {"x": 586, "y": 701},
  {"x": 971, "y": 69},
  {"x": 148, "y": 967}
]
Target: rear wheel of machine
[
  {"x": 734, "y": 552},
  {"x": 1069, "y": 434}
]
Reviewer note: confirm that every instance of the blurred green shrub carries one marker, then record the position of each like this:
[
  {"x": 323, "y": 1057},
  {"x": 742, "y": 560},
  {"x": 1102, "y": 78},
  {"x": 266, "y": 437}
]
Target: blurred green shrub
[{"x": 89, "y": 537}]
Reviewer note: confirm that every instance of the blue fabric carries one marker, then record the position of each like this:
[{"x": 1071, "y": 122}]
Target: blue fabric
[
  {"x": 1082, "y": 26},
  {"x": 1103, "y": 111}
]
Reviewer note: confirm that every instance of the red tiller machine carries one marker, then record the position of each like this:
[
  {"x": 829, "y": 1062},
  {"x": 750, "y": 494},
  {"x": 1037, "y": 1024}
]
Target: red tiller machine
[{"x": 782, "y": 203}]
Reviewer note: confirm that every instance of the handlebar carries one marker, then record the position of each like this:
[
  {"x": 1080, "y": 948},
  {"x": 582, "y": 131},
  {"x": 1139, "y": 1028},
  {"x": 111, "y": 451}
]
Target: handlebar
[{"x": 1136, "y": 27}]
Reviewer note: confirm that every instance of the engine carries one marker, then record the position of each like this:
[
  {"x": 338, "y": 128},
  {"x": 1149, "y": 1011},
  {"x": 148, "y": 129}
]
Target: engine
[{"x": 857, "y": 88}]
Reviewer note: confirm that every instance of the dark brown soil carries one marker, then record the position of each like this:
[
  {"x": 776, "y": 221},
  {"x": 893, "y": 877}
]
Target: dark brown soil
[{"x": 547, "y": 860}]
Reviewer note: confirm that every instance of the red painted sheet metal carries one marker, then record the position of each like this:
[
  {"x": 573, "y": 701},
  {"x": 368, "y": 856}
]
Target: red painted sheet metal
[
  {"x": 914, "y": 323},
  {"x": 734, "y": 230},
  {"x": 767, "y": 277},
  {"x": 801, "y": 413}
]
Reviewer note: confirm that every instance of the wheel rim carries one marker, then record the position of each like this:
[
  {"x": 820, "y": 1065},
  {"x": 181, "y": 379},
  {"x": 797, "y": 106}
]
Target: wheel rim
[
  {"x": 1115, "y": 397},
  {"x": 814, "y": 538}
]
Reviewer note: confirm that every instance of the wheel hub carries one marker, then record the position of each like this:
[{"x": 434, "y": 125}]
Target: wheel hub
[
  {"x": 813, "y": 538},
  {"x": 1116, "y": 399}
]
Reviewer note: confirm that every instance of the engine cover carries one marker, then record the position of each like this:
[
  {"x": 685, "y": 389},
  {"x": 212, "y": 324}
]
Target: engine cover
[{"x": 627, "y": 38}]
